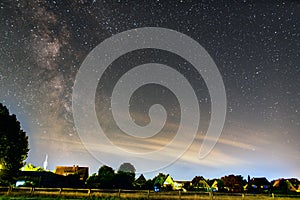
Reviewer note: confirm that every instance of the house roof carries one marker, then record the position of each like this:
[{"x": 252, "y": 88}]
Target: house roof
[
  {"x": 168, "y": 180},
  {"x": 160, "y": 179},
  {"x": 182, "y": 181},
  {"x": 216, "y": 183},
  {"x": 292, "y": 183},
  {"x": 259, "y": 181},
  {"x": 83, "y": 172},
  {"x": 140, "y": 179},
  {"x": 200, "y": 181}
]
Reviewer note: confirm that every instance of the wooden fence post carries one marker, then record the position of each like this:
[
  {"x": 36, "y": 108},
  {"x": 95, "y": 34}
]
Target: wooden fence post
[
  {"x": 89, "y": 192},
  {"x": 32, "y": 191},
  {"x": 9, "y": 190},
  {"x": 179, "y": 193},
  {"x": 148, "y": 196},
  {"x": 119, "y": 193},
  {"x": 210, "y": 195}
]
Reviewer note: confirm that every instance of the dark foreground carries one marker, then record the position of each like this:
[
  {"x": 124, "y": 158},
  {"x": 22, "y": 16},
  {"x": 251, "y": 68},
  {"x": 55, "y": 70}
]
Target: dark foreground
[{"x": 69, "y": 193}]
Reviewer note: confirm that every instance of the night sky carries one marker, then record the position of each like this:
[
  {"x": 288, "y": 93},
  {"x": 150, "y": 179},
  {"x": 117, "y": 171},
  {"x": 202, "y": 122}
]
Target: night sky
[{"x": 255, "y": 47}]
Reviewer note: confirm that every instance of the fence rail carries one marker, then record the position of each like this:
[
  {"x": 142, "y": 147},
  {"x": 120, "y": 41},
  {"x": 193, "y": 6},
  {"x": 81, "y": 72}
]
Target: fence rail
[{"x": 131, "y": 194}]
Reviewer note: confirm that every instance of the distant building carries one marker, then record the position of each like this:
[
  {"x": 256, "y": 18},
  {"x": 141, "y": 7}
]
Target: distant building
[
  {"x": 82, "y": 172},
  {"x": 48, "y": 180},
  {"x": 166, "y": 182},
  {"x": 183, "y": 185},
  {"x": 258, "y": 185},
  {"x": 285, "y": 186},
  {"x": 217, "y": 185},
  {"x": 170, "y": 184},
  {"x": 140, "y": 182},
  {"x": 199, "y": 184}
]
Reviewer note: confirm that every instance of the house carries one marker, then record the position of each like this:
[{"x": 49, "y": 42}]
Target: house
[
  {"x": 166, "y": 182},
  {"x": 233, "y": 183},
  {"x": 47, "y": 179},
  {"x": 285, "y": 186},
  {"x": 142, "y": 183},
  {"x": 200, "y": 184},
  {"x": 82, "y": 172},
  {"x": 170, "y": 184},
  {"x": 182, "y": 185},
  {"x": 258, "y": 185},
  {"x": 294, "y": 184},
  {"x": 217, "y": 185}
]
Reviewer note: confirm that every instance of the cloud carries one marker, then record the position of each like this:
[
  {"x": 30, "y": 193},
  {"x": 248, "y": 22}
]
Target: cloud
[{"x": 216, "y": 158}]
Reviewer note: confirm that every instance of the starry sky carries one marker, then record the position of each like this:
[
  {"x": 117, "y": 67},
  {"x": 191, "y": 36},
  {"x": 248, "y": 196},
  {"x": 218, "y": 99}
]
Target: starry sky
[{"x": 254, "y": 44}]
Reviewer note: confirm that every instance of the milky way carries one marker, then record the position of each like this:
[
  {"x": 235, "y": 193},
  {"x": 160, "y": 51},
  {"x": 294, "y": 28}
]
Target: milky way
[{"x": 254, "y": 45}]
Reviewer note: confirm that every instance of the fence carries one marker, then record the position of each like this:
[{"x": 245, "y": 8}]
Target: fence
[{"x": 130, "y": 194}]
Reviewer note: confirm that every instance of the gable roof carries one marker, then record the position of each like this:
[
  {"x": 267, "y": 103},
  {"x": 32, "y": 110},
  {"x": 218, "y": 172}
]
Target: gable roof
[
  {"x": 259, "y": 181},
  {"x": 160, "y": 179},
  {"x": 217, "y": 183},
  {"x": 293, "y": 184},
  {"x": 199, "y": 181},
  {"x": 141, "y": 179},
  {"x": 168, "y": 180}
]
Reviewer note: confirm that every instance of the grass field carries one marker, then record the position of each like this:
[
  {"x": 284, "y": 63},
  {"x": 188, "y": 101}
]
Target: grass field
[
  {"x": 161, "y": 197},
  {"x": 70, "y": 193}
]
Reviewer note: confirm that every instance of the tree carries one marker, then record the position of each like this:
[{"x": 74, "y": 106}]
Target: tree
[
  {"x": 158, "y": 181},
  {"x": 234, "y": 183},
  {"x": 93, "y": 181},
  {"x": 31, "y": 167},
  {"x": 106, "y": 176},
  {"x": 125, "y": 176},
  {"x": 124, "y": 180},
  {"x": 13, "y": 146},
  {"x": 127, "y": 167}
]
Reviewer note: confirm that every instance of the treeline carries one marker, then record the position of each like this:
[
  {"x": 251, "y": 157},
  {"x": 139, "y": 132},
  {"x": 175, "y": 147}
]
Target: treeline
[
  {"x": 125, "y": 178},
  {"x": 107, "y": 178}
]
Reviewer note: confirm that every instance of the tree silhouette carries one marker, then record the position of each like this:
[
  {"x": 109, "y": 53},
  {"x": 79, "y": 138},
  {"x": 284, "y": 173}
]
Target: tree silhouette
[
  {"x": 93, "y": 181},
  {"x": 13, "y": 146},
  {"x": 127, "y": 167},
  {"x": 125, "y": 176},
  {"x": 106, "y": 176}
]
